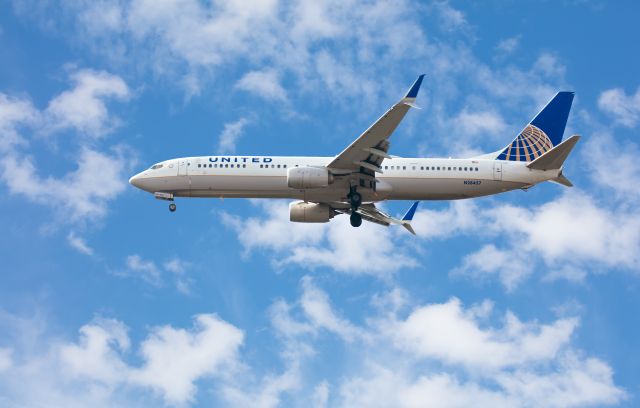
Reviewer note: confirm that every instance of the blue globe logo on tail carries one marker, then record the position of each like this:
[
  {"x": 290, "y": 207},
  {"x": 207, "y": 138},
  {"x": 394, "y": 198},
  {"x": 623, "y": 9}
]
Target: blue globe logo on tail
[{"x": 528, "y": 146}]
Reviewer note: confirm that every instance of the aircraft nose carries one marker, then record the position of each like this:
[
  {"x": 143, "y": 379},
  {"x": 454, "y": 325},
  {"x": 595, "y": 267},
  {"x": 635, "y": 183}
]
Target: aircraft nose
[{"x": 136, "y": 181}]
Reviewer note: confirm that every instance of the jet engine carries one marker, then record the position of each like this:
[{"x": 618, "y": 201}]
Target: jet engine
[
  {"x": 299, "y": 211},
  {"x": 308, "y": 177}
]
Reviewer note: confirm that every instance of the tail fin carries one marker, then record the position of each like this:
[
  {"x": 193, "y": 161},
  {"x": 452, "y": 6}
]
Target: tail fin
[{"x": 542, "y": 133}]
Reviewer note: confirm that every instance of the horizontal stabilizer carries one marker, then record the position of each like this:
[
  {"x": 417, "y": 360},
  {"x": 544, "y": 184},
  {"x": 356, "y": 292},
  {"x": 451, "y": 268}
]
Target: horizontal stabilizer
[
  {"x": 409, "y": 228},
  {"x": 561, "y": 179},
  {"x": 554, "y": 158}
]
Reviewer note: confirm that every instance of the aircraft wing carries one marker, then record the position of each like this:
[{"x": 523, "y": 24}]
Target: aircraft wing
[
  {"x": 366, "y": 153},
  {"x": 371, "y": 213}
]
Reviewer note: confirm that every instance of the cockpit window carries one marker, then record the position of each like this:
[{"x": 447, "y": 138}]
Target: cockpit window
[{"x": 156, "y": 166}]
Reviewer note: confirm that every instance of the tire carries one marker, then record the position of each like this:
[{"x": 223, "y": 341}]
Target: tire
[
  {"x": 172, "y": 207},
  {"x": 356, "y": 199},
  {"x": 356, "y": 219}
]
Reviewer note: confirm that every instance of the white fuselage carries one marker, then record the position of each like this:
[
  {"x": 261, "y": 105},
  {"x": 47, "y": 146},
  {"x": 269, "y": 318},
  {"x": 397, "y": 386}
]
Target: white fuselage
[{"x": 403, "y": 178}]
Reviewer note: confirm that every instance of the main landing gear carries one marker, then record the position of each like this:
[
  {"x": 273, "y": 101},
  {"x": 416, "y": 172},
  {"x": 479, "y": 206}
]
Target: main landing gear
[
  {"x": 355, "y": 199},
  {"x": 355, "y": 219},
  {"x": 172, "y": 207}
]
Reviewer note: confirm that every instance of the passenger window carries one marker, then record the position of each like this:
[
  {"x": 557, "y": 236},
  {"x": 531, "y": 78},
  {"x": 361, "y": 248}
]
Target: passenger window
[
  {"x": 476, "y": 169},
  {"x": 198, "y": 165},
  {"x": 244, "y": 166},
  {"x": 421, "y": 167},
  {"x": 385, "y": 167},
  {"x": 404, "y": 167},
  {"x": 414, "y": 167},
  {"x": 449, "y": 168},
  {"x": 278, "y": 166},
  {"x": 226, "y": 166},
  {"x": 273, "y": 166},
  {"x": 285, "y": 166},
  {"x": 465, "y": 169},
  {"x": 438, "y": 167}
]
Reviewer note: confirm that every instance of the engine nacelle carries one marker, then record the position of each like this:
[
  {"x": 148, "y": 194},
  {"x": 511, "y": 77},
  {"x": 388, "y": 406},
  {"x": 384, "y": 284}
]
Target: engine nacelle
[
  {"x": 299, "y": 211},
  {"x": 308, "y": 177}
]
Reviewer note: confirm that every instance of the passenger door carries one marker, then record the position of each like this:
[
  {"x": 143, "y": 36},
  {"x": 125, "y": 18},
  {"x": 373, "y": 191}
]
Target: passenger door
[
  {"x": 182, "y": 167},
  {"x": 497, "y": 170}
]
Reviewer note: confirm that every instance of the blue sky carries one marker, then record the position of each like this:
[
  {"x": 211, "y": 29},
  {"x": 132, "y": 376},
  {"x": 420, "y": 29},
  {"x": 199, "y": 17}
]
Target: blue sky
[{"x": 107, "y": 299}]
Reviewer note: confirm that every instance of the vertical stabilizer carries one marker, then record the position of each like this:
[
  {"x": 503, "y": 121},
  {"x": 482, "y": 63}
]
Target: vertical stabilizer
[{"x": 542, "y": 133}]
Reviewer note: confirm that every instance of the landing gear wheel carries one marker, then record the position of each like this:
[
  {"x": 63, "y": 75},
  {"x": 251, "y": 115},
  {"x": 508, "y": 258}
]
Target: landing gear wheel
[
  {"x": 356, "y": 219},
  {"x": 355, "y": 199},
  {"x": 172, "y": 207}
]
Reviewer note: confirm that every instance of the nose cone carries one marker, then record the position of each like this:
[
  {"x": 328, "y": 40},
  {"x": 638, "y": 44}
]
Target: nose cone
[{"x": 136, "y": 180}]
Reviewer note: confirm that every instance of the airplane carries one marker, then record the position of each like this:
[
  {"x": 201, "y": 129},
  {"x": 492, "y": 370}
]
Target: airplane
[{"x": 364, "y": 173}]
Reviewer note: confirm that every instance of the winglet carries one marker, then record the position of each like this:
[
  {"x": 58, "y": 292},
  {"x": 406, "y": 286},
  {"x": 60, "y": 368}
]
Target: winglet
[
  {"x": 413, "y": 91},
  {"x": 408, "y": 216}
]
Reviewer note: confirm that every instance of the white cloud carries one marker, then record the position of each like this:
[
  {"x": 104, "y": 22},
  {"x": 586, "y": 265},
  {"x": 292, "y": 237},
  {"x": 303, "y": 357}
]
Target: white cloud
[
  {"x": 447, "y": 333},
  {"x": 6, "y": 360},
  {"x": 625, "y": 109},
  {"x": 573, "y": 228},
  {"x": 320, "y": 396},
  {"x": 274, "y": 231},
  {"x": 266, "y": 394},
  {"x": 230, "y": 135},
  {"x": 549, "y": 65},
  {"x": 15, "y": 112},
  {"x": 316, "y": 306},
  {"x": 174, "y": 269},
  {"x": 263, "y": 83},
  {"x": 365, "y": 250},
  {"x": 445, "y": 355},
  {"x": 576, "y": 382},
  {"x": 145, "y": 269},
  {"x": 176, "y": 358},
  {"x": 599, "y": 149},
  {"x": 479, "y": 123},
  {"x": 459, "y": 217},
  {"x": 82, "y": 194},
  {"x": 450, "y": 18},
  {"x": 508, "y": 46},
  {"x": 97, "y": 354},
  {"x": 83, "y": 108},
  {"x": 383, "y": 387},
  {"x": 179, "y": 268},
  {"x": 570, "y": 235},
  {"x": 191, "y": 41},
  {"x": 94, "y": 371},
  {"x": 586, "y": 383},
  {"x": 79, "y": 244},
  {"x": 510, "y": 266}
]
